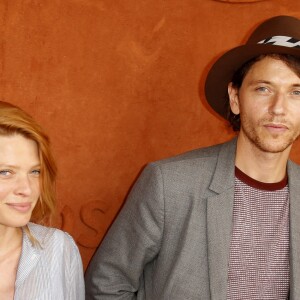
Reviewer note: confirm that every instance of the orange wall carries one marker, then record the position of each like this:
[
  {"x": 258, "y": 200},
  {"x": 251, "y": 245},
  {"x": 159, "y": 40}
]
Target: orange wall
[{"x": 117, "y": 84}]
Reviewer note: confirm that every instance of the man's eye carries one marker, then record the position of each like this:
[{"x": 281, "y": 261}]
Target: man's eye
[
  {"x": 262, "y": 89},
  {"x": 296, "y": 92}
]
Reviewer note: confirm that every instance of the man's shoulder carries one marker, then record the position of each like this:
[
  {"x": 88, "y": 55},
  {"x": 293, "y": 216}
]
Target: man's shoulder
[
  {"x": 205, "y": 153},
  {"x": 293, "y": 169}
]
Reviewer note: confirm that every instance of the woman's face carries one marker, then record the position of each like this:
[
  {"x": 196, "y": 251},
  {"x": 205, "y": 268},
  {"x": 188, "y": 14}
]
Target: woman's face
[{"x": 19, "y": 180}]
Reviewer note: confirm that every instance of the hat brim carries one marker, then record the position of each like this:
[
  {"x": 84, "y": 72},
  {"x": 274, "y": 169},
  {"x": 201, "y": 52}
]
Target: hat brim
[{"x": 220, "y": 75}]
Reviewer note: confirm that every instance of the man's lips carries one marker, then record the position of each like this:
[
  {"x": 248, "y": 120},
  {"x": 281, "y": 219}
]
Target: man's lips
[
  {"x": 276, "y": 127},
  {"x": 21, "y": 207}
]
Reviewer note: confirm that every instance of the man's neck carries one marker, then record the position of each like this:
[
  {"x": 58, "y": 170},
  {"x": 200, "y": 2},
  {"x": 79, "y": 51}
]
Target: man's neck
[{"x": 260, "y": 165}]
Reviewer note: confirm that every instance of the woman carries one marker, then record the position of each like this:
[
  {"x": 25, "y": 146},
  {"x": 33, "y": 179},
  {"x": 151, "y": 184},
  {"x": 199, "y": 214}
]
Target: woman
[{"x": 36, "y": 262}]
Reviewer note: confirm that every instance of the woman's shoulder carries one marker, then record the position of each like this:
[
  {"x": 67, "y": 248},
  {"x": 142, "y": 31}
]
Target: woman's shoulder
[{"x": 49, "y": 235}]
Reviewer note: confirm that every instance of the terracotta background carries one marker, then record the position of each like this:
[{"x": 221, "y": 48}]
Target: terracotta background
[{"x": 117, "y": 84}]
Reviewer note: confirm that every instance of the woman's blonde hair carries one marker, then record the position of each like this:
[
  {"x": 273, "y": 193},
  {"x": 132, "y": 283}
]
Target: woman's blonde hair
[{"x": 14, "y": 120}]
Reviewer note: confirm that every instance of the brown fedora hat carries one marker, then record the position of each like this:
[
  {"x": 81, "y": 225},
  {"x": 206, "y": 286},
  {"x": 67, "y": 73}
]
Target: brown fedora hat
[{"x": 279, "y": 35}]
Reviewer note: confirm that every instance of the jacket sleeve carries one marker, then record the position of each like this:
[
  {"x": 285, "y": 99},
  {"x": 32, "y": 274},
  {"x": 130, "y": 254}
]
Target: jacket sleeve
[{"x": 116, "y": 270}]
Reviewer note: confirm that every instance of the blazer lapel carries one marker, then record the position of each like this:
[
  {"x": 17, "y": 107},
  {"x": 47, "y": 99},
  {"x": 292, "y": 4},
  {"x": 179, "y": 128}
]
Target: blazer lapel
[
  {"x": 294, "y": 189},
  {"x": 219, "y": 220}
]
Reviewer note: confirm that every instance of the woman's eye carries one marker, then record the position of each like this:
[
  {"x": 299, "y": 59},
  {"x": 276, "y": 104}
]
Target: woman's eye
[
  {"x": 36, "y": 172},
  {"x": 5, "y": 173}
]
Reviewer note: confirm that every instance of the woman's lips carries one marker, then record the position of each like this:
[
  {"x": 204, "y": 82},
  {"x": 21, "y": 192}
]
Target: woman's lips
[{"x": 21, "y": 207}]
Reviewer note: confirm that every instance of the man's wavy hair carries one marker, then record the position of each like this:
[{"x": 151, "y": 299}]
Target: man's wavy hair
[
  {"x": 14, "y": 120},
  {"x": 291, "y": 61}
]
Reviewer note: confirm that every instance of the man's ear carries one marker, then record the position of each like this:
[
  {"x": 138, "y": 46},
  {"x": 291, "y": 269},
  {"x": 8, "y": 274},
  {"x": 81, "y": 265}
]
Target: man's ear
[{"x": 233, "y": 99}]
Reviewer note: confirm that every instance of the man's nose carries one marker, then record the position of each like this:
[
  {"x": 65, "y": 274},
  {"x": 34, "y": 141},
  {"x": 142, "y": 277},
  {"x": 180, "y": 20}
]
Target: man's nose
[{"x": 278, "y": 104}]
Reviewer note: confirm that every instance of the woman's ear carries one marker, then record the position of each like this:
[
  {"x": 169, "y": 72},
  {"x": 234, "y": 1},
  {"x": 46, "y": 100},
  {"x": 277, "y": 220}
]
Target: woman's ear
[{"x": 233, "y": 94}]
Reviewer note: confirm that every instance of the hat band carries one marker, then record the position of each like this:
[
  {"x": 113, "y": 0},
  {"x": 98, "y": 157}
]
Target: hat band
[{"x": 279, "y": 40}]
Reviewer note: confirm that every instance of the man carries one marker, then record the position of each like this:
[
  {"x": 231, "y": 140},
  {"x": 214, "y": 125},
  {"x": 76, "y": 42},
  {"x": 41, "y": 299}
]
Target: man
[{"x": 221, "y": 222}]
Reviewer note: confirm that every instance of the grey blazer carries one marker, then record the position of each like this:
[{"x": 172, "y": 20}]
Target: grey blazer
[{"x": 171, "y": 240}]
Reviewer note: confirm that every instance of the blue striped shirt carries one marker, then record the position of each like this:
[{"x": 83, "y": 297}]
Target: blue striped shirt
[{"x": 51, "y": 272}]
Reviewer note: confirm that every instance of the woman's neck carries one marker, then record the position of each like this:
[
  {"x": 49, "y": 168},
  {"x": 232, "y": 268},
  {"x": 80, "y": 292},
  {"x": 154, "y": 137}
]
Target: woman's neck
[
  {"x": 10, "y": 238},
  {"x": 10, "y": 252}
]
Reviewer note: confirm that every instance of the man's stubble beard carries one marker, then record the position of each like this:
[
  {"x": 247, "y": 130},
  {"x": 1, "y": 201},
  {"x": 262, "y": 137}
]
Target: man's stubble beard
[{"x": 269, "y": 143}]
